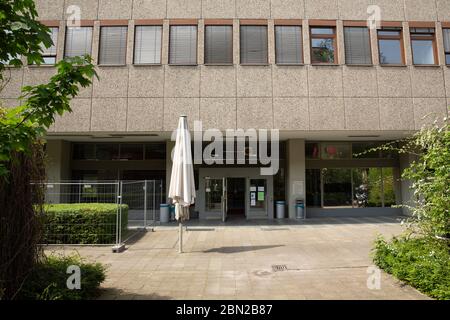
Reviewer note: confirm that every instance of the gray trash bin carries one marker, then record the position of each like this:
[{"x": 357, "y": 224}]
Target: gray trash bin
[
  {"x": 300, "y": 209},
  {"x": 164, "y": 214},
  {"x": 280, "y": 207}
]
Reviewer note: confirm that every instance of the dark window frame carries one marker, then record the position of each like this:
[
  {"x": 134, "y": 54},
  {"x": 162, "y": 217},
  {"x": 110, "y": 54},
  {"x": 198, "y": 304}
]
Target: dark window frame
[
  {"x": 92, "y": 40},
  {"x": 160, "y": 48},
  {"x": 392, "y": 37},
  {"x": 265, "y": 63},
  {"x": 302, "y": 47},
  {"x": 196, "y": 45},
  {"x": 231, "y": 48},
  {"x": 55, "y": 45},
  {"x": 414, "y": 37},
  {"x": 369, "y": 48},
  {"x": 324, "y": 36},
  {"x": 100, "y": 45},
  {"x": 446, "y": 52}
]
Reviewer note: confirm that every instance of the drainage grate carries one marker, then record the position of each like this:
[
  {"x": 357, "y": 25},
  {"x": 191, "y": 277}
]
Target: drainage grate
[{"x": 279, "y": 267}]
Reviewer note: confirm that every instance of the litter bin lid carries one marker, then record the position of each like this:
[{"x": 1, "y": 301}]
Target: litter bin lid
[
  {"x": 163, "y": 205},
  {"x": 280, "y": 202}
]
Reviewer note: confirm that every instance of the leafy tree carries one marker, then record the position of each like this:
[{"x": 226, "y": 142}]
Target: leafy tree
[
  {"x": 429, "y": 174},
  {"x": 22, "y": 39}
]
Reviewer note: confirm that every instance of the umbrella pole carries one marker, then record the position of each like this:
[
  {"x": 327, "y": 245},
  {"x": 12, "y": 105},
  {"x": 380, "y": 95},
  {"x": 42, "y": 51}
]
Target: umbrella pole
[{"x": 180, "y": 240}]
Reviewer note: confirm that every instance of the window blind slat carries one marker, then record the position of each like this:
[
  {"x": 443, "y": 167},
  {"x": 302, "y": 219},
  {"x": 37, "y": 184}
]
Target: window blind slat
[
  {"x": 447, "y": 40},
  {"x": 289, "y": 47},
  {"x": 78, "y": 41},
  {"x": 253, "y": 44},
  {"x": 219, "y": 44},
  {"x": 183, "y": 45},
  {"x": 357, "y": 45},
  {"x": 147, "y": 46},
  {"x": 113, "y": 45},
  {"x": 51, "y": 51}
]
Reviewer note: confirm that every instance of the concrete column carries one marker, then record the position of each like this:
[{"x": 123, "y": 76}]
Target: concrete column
[
  {"x": 295, "y": 173},
  {"x": 57, "y": 168},
  {"x": 406, "y": 191},
  {"x": 169, "y": 146}
]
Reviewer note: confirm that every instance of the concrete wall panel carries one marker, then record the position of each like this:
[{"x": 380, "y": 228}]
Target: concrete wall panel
[
  {"x": 145, "y": 114},
  {"x": 254, "y": 113},
  {"x": 288, "y": 9},
  {"x": 290, "y": 81},
  {"x": 254, "y": 81},
  {"x": 109, "y": 114},
  {"x": 291, "y": 114},
  {"x": 184, "y": 8},
  {"x": 325, "y": 81},
  {"x": 427, "y": 110},
  {"x": 360, "y": 82},
  {"x": 182, "y": 81},
  {"x": 218, "y": 113},
  {"x": 396, "y": 114},
  {"x": 218, "y": 9},
  {"x": 255, "y": 9},
  {"x": 362, "y": 114},
  {"x": 218, "y": 81},
  {"x": 77, "y": 120},
  {"x": 149, "y": 9},
  {"x": 176, "y": 107},
  {"x": 146, "y": 81},
  {"x": 112, "y": 82},
  {"x": 114, "y": 9},
  {"x": 326, "y": 114}
]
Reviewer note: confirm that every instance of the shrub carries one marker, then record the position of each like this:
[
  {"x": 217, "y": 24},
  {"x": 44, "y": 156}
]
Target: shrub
[
  {"x": 423, "y": 264},
  {"x": 48, "y": 279},
  {"x": 82, "y": 223}
]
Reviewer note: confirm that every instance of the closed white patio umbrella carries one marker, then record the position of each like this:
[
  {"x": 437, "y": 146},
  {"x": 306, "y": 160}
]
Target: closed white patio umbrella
[{"x": 182, "y": 184}]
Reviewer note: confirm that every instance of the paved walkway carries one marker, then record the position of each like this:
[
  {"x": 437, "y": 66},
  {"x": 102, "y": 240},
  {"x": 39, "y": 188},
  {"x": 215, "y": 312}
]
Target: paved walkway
[{"x": 318, "y": 259}]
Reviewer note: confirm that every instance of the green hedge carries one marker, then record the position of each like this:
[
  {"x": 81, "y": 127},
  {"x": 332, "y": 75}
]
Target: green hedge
[
  {"x": 82, "y": 223},
  {"x": 422, "y": 263},
  {"x": 48, "y": 280}
]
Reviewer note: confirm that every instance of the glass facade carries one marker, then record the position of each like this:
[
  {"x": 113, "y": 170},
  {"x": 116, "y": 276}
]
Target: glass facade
[{"x": 350, "y": 187}]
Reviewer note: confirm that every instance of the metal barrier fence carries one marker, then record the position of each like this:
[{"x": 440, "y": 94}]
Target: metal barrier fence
[{"x": 103, "y": 224}]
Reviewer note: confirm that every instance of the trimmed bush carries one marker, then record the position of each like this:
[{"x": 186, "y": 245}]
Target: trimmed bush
[
  {"x": 48, "y": 280},
  {"x": 422, "y": 263},
  {"x": 82, "y": 223}
]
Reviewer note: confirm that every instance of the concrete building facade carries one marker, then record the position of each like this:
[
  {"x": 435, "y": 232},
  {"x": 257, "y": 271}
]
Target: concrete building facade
[{"x": 326, "y": 109}]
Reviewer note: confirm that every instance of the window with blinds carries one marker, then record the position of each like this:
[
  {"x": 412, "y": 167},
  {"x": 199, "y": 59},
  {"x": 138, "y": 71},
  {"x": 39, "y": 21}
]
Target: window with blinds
[
  {"x": 49, "y": 54},
  {"x": 447, "y": 45},
  {"x": 288, "y": 45},
  {"x": 357, "y": 45},
  {"x": 113, "y": 45},
  {"x": 183, "y": 45},
  {"x": 219, "y": 44},
  {"x": 147, "y": 45},
  {"x": 253, "y": 44},
  {"x": 78, "y": 41}
]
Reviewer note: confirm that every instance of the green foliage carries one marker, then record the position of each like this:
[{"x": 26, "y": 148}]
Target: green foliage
[
  {"x": 48, "y": 279},
  {"x": 417, "y": 261},
  {"x": 22, "y": 125},
  {"x": 82, "y": 223},
  {"x": 429, "y": 173},
  {"x": 20, "y": 34}
]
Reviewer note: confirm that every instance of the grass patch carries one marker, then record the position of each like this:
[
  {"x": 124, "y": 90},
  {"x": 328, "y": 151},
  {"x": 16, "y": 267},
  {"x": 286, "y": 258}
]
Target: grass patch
[{"x": 419, "y": 262}]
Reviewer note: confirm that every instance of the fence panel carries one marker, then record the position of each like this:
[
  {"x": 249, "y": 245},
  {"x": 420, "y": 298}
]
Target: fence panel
[{"x": 65, "y": 224}]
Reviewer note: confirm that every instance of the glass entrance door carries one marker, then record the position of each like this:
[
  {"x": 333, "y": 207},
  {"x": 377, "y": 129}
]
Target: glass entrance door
[
  {"x": 216, "y": 196},
  {"x": 258, "y": 197}
]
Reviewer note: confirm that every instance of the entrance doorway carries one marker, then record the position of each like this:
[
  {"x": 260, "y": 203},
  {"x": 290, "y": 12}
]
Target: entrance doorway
[
  {"x": 236, "y": 197},
  {"x": 241, "y": 193}
]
